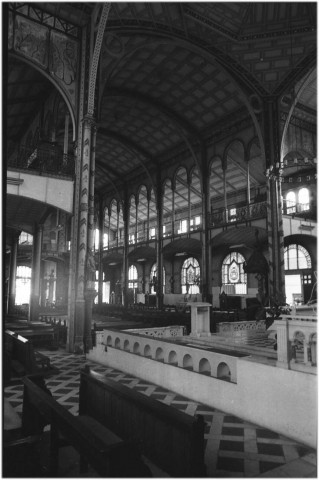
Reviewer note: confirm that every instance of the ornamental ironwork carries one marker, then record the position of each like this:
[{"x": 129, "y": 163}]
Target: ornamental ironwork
[
  {"x": 226, "y": 216},
  {"x": 43, "y": 159}
]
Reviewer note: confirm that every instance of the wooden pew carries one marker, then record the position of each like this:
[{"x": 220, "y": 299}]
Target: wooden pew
[
  {"x": 170, "y": 438},
  {"x": 22, "y": 357},
  {"x": 59, "y": 323},
  {"x": 106, "y": 452},
  {"x": 42, "y": 337}
]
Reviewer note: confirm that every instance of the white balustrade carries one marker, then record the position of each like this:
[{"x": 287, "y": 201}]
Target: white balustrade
[
  {"x": 160, "y": 332},
  {"x": 189, "y": 356},
  {"x": 295, "y": 331}
]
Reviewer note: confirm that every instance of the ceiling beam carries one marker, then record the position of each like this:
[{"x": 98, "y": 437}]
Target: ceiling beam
[
  {"x": 219, "y": 193},
  {"x": 131, "y": 147},
  {"x": 227, "y": 183},
  {"x": 177, "y": 120},
  {"x": 190, "y": 186},
  {"x": 109, "y": 169},
  {"x": 187, "y": 131},
  {"x": 100, "y": 191},
  {"x": 128, "y": 144},
  {"x": 242, "y": 169}
]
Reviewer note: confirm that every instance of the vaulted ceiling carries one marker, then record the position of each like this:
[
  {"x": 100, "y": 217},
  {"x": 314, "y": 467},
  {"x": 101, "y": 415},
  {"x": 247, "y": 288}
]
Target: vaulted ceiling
[{"x": 175, "y": 75}]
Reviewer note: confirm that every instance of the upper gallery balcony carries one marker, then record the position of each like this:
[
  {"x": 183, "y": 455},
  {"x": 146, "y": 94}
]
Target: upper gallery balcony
[{"x": 45, "y": 158}]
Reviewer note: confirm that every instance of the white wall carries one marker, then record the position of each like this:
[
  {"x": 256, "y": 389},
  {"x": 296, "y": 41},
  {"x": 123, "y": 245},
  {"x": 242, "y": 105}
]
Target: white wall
[
  {"x": 282, "y": 400},
  {"x": 54, "y": 191},
  {"x": 294, "y": 226}
]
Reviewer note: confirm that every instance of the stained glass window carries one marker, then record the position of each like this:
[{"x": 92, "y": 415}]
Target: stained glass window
[
  {"x": 190, "y": 276},
  {"x": 234, "y": 279}
]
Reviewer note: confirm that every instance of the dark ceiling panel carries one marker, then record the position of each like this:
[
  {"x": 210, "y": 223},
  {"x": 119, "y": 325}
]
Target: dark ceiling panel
[{"x": 172, "y": 75}]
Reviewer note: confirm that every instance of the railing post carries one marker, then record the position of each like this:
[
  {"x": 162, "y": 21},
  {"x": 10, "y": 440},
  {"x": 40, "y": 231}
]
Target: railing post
[
  {"x": 306, "y": 352},
  {"x": 283, "y": 351}
]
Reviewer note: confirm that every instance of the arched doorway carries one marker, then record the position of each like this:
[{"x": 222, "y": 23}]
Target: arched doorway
[{"x": 298, "y": 274}]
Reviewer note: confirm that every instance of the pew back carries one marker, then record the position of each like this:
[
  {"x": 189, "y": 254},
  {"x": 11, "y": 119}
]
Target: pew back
[
  {"x": 22, "y": 357},
  {"x": 171, "y": 439},
  {"x": 20, "y": 350},
  {"x": 97, "y": 446}
]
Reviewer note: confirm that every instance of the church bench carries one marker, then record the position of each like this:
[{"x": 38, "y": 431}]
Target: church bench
[
  {"x": 42, "y": 337},
  {"x": 60, "y": 325},
  {"x": 97, "y": 446},
  {"x": 170, "y": 438},
  {"x": 21, "y": 356}
]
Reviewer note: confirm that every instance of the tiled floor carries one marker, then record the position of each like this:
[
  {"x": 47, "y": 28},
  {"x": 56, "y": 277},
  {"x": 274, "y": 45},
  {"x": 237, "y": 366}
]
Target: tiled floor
[{"x": 234, "y": 448}]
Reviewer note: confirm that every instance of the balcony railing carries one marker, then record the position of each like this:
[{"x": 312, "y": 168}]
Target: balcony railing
[
  {"x": 237, "y": 214},
  {"x": 115, "y": 243},
  {"x": 144, "y": 236},
  {"x": 44, "y": 159},
  {"x": 299, "y": 209},
  {"x": 216, "y": 218}
]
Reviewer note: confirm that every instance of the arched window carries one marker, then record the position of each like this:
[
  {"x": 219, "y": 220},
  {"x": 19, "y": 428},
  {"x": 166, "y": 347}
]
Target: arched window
[
  {"x": 132, "y": 277},
  {"x": 234, "y": 279},
  {"x": 291, "y": 202},
  {"x": 153, "y": 279},
  {"x": 190, "y": 276},
  {"x": 97, "y": 240},
  {"x": 296, "y": 257},
  {"x": 25, "y": 239},
  {"x": 303, "y": 199},
  {"x": 23, "y": 285}
]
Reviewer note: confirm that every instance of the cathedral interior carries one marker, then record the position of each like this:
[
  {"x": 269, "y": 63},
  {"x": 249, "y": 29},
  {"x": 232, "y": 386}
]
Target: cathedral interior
[{"x": 160, "y": 234}]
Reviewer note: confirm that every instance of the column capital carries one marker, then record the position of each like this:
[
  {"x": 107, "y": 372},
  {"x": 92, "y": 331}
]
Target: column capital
[{"x": 275, "y": 172}]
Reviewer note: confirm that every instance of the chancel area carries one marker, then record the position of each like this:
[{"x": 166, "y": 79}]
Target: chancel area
[{"x": 160, "y": 233}]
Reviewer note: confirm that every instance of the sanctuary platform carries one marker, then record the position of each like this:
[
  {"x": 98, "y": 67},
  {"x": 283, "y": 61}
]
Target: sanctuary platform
[{"x": 242, "y": 373}]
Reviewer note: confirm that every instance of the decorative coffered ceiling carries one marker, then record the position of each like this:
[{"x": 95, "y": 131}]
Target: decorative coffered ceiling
[{"x": 173, "y": 76}]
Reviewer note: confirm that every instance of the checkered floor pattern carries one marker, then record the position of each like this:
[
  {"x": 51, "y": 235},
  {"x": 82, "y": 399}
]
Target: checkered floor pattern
[{"x": 234, "y": 448}]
